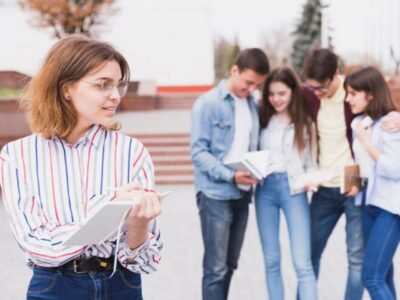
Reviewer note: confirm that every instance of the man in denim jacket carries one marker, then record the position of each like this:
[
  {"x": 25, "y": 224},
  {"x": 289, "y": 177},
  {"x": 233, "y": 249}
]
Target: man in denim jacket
[{"x": 225, "y": 125}]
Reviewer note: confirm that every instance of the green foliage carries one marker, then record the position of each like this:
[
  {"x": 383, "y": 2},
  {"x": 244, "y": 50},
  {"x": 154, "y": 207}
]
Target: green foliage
[
  {"x": 225, "y": 53},
  {"x": 308, "y": 32},
  {"x": 7, "y": 93}
]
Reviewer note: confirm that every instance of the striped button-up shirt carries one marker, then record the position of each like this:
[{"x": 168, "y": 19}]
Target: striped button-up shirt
[{"x": 50, "y": 187}]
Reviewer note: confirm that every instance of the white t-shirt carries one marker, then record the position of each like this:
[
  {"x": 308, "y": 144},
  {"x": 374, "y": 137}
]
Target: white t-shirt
[
  {"x": 241, "y": 138},
  {"x": 272, "y": 138}
]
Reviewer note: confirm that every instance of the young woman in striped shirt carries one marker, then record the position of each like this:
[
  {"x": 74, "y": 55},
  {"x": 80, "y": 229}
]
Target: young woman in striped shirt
[{"x": 74, "y": 161}]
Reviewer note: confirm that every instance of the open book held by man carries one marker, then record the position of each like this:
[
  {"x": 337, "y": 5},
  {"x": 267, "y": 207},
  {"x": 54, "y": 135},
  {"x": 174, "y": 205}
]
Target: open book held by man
[{"x": 257, "y": 163}]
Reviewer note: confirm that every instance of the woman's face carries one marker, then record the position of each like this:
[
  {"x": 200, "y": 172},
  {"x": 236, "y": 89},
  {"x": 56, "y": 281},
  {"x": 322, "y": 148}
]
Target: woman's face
[
  {"x": 358, "y": 100},
  {"x": 96, "y": 96},
  {"x": 279, "y": 95}
]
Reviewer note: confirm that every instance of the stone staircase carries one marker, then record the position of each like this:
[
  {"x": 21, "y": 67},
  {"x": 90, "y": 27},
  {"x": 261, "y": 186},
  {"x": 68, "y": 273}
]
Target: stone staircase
[{"x": 171, "y": 157}]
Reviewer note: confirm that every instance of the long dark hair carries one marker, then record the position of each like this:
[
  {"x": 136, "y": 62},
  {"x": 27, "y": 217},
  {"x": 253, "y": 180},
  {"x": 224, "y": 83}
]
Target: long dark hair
[
  {"x": 370, "y": 80},
  {"x": 297, "y": 107}
]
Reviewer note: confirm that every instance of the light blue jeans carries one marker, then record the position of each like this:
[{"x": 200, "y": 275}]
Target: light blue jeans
[
  {"x": 272, "y": 196},
  {"x": 381, "y": 231}
]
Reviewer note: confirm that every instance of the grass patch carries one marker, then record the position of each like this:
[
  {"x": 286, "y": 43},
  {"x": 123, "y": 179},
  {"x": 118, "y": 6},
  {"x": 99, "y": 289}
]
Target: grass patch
[{"x": 7, "y": 93}]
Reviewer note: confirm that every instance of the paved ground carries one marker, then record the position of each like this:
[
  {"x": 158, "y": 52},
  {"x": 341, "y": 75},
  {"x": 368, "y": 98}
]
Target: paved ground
[{"x": 180, "y": 271}]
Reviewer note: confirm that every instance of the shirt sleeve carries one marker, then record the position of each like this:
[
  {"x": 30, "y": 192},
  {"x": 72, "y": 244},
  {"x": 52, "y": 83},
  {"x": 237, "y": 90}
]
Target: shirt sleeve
[
  {"x": 310, "y": 162},
  {"x": 388, "y": 164},
  {"x": 40, "y": 238},
  {"x": 145, "y": 258}
]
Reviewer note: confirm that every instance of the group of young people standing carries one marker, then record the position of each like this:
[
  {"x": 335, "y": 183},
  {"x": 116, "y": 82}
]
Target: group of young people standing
[
  {"x": 308, "y": 125},
  {"x": 75, "y": 161}
]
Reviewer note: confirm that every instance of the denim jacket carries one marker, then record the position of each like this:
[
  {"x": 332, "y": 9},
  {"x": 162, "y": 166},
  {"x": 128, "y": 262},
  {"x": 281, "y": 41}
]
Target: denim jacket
[
  {"x": 383, "y": 188},
  {"x": 211, "y": 137},
  {"x": 297, "y": 164}
]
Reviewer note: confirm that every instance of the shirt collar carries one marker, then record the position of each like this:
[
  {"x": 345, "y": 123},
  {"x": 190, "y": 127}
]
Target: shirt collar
[
  {"x": 340, "y": 93},
  {"x": 92, "y": 135},
  {"x": 223, "y": 87},
  {"x": 226, "y": 93}
]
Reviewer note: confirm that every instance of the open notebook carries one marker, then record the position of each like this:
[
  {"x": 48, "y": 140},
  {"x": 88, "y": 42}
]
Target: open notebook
[
  {"x": 258, "y": 163},
  {"x": 102, "y": 225}
]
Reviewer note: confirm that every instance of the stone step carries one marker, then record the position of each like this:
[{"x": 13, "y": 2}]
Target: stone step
[
  {"x": 175, "y": 171},
  {"x": 146, "y": 136},
  {"x": 172, "y": 172},
  {"x": 171, "y": 143},
  {"x": 174, "y": 180},
  {"x": 169, "y": 152},
  {"x": 170, "y": 162}
]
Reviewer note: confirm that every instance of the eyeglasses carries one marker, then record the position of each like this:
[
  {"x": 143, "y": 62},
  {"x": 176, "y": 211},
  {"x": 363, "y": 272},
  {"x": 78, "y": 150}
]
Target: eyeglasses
[
  {"x": 319, "y": 88},
  {"x": 106, "y": 87}
]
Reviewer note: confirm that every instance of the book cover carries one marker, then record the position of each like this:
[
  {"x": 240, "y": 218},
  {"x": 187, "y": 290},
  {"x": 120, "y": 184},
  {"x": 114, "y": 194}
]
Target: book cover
[
  {"x": 102, "y": 224},
  {"x": 257, "y": 163},
  {"x": 350, "y": 176}
]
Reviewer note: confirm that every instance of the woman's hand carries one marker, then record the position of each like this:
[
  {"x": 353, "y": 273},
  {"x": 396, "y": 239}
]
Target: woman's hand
[
  {"x": 363, "y": 134},
  {"x": 146, "y": 205},
  {"x": 391, "y": 122},
  {"x": 353, "y": 191},
  {"x": 311, "y": 187}
]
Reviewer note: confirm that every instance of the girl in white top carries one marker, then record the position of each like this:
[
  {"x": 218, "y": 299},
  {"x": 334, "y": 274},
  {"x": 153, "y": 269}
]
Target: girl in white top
[
  {"x": 288, "y": 133},
  {"x": 378, "y": 154}
]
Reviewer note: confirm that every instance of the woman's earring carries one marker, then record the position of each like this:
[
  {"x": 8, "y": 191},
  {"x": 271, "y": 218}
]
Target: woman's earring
[{"x": 68, "y": 97}]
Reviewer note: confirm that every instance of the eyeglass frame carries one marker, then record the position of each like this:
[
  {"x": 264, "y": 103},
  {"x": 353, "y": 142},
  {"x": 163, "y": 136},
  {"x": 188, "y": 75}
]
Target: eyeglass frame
[
  {"x": 321, "y": 88},
  {"x": 109, "y": 91}
]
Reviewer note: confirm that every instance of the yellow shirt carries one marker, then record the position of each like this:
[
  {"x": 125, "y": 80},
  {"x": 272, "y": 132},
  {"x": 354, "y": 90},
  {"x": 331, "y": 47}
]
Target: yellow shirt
[{"x": 334, "y": 148}]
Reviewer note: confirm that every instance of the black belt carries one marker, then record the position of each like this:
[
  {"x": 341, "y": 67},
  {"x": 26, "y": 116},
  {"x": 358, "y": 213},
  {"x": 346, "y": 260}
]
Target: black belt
[{"x": 85, "y": 265}]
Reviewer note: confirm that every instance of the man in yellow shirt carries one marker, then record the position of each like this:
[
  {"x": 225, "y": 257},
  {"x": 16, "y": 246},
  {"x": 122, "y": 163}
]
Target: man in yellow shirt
[{"x": 325, "y": 94}]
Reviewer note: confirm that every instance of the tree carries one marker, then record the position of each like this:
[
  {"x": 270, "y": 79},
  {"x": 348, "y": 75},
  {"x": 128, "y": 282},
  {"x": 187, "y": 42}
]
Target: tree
[
  {"x": 68, "y": 16},
  {"x": 225, "y": 53},
  {"x": 308, "y": 32}
]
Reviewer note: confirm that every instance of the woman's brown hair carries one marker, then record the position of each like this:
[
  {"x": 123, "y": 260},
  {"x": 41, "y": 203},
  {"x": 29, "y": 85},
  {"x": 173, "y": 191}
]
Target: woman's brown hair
[
  {"x": 297, "y": 108},
  {"x": 69, "y": 60},
  {"x": 371, "y": 81}
]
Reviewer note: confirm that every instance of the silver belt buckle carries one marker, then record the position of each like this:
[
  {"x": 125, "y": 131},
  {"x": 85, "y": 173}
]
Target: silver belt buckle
[{"x": 76, "y": 266}]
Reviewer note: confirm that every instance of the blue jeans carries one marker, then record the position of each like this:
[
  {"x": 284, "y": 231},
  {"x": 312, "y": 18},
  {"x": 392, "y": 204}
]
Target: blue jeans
[
  {"x": 382, "y": 236},
  {"x": 327, "y": 205},
  {"x": 272, "y": 196},
  {"x": 59, "y": 285},
  {"x": 223, "y": 225}
]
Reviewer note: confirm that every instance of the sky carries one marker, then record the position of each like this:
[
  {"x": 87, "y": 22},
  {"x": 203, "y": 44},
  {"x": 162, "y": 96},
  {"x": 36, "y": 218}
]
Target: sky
[{"x": 359, "y": 28}]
